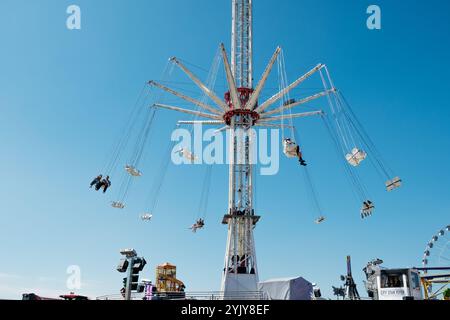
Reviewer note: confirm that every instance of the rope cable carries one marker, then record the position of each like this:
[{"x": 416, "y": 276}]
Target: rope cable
[
  {"x": 310, "y": 185},
  {"x": 366, "y": 138},
  {"x": 349, "y": 173},
  {"x": 342, "y": 143},
  {"x": 159, "y": 180},
  {"x": 114, "y": 155},
  {"x": 204, "y": 196},
  {"x": 280, "y": 88},
  {"x": 127, "y": 179},
  {"x": 334, "y": 114}
]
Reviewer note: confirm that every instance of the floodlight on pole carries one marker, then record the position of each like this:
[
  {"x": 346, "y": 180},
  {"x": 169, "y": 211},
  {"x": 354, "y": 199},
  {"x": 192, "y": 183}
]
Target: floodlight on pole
[{"x": 129, "y": 253}]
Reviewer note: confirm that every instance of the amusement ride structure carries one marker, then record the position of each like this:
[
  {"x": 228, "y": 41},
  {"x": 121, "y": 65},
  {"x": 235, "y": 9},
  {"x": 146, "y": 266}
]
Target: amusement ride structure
[
  {"x": 437, "y": 251},
  {"x": 241, "y": 110},
  {"x": 436, "y": 265}
]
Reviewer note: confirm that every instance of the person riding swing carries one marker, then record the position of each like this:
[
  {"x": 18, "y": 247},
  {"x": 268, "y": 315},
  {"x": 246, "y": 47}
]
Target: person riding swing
[
  {"x": 106, "y": 183},
  {"x": 199, "y": 224},
  {"x": 300, "y": 156},
  {"x": 96, "y": 180}
]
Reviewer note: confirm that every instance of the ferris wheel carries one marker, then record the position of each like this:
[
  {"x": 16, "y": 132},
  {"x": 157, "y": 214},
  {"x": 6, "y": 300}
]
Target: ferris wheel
[{"x": 437, "y": 251}]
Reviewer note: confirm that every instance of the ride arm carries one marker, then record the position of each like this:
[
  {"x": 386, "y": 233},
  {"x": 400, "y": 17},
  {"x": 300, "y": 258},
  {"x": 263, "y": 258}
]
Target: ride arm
[
  {"x": 184, "y": 97},
  {"x": 254, "y": 97},
  {"x": 195, "y": 113},
  {"x": 272, "y": 125},
  {"x": 295, "y": 115},
  {"x": 299, "y": 102},
  {"x": 281, "y": 93},
  {"x": 222, "y": 129},
  {"x": 230, "y": 79},
  {"x": 200, "y": 84},
  {"x": 205, "y": 122}
]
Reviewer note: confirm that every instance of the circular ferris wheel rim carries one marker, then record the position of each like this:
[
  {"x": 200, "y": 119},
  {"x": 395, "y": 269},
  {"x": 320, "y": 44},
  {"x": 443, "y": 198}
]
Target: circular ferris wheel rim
[{"x": 432, "y": 244}]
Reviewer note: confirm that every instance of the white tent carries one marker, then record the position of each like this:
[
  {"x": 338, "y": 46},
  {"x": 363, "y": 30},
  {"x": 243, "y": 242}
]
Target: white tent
[{"x": 295, "y": 288}]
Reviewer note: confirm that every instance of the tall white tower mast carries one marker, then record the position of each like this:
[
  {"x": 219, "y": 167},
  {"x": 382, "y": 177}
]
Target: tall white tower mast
[
  {"x": 241, "y": 43},
  {"x": 240, "y": 272}
]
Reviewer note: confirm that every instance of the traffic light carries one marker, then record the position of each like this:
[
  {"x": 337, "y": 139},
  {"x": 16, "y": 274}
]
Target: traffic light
[
  {"x": 138, "y": 266},
  {"x": 123, "y": 265},
  {"x": 141, "y": 288},
  {"x": 124, "y": 282},
  {"x": 134, "y": 282}
]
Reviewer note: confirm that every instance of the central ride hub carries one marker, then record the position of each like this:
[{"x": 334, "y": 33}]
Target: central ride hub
[{"x": 250, "y": 115}]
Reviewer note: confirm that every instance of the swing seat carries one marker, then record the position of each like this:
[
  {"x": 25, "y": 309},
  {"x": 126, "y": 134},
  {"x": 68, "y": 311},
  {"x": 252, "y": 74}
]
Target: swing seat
[
  {"x": 367, "y": 210},
  {"x": 290, "y": 148},
  {"x": 356, "y": 157},
  {"x": 320, "y": 219},
  {"x": 393, "y": 184},
  {"x": 187, "y": 154},
  {"x": 133, "y": 171},
  {"x": 146, "y": 216},
  {"x": 196, "y": 226},
  {"x": 366, "y": 214},
  {"x": 117, "y": 205}
]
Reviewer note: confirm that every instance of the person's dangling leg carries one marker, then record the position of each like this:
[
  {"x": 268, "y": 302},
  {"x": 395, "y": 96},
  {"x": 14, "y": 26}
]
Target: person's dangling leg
[
  {"x": 98, "y": 186},
  {"x": 300, "y": 156},
  {"x": 302, "y": 161}
]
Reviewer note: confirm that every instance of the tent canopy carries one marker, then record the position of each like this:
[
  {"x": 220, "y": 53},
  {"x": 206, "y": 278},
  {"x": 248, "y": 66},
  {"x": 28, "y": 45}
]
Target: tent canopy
[{"x": 295, "y": 288}]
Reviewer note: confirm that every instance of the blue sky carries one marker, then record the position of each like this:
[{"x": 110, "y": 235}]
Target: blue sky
[{"x": 65, "y": 94}]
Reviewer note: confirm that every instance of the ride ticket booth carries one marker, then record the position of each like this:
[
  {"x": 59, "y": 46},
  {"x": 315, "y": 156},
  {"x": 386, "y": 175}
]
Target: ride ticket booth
[{"x": 398, "y": 284}]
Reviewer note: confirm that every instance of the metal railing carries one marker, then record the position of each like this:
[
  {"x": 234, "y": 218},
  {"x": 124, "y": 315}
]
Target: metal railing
[{"x": 207, "y": 295}]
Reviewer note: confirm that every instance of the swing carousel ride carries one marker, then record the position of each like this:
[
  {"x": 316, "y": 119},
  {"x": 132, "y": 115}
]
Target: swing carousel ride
[
  {"x": 243, "y": 108},
  {"x": 345, "y": 130}
]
